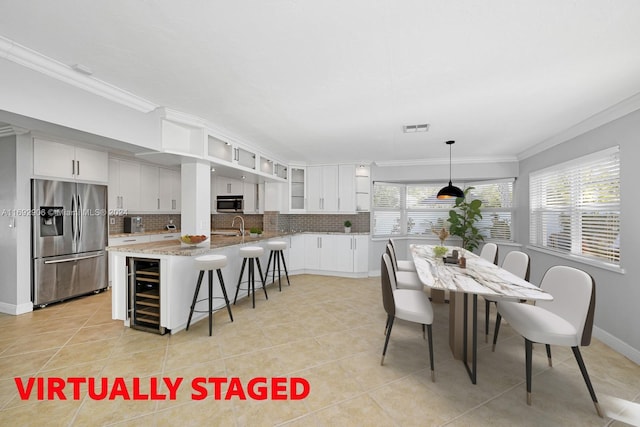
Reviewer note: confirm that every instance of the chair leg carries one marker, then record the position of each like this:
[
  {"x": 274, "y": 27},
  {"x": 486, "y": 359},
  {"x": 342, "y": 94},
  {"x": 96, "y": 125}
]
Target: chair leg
[
  {"x": 195, "y": 298},
  {"x": 487, "y": 310},
  {"x": 210, "y": 302},
  {"x": 528, "y": 349},
  {"x": 284, "y": 264},
  {"x": 495, "y": 331},
  {"x": 263, "y": 279},
  {"x": 386, "y": 340},
  {"x": 585, "y": 375},
  {"x": 244, "y": 263},
  {"x": 429, "y": 334},
  {"x": 269, "y": 264},
  {"x": 224, "y": 293},
  {"x": 549, "y": 354}
]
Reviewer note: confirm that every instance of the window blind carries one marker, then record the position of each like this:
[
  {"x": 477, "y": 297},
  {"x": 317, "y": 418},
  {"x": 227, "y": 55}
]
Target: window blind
[{"x": 575, "y": 207}]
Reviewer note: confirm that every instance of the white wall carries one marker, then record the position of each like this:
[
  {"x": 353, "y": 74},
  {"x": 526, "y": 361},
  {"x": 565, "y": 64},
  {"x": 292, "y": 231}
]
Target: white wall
[
  {"x": 8, "y": 254},
  {"x": 617, "y": 295},
  {"x": 28, "y": 93}
]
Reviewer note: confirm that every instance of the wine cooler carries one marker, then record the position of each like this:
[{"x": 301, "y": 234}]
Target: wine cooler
[{"x": 144, "y": 295}]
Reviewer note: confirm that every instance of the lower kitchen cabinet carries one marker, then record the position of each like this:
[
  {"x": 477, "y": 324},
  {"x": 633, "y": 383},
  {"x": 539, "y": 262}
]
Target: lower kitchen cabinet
[{"x": 336, "y": 253}]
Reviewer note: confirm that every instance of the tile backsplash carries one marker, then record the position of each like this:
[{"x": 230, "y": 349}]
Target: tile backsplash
[{"x": 270, "y": 221}]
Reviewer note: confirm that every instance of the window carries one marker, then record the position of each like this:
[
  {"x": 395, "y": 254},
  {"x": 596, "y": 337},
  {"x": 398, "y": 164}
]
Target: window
[
  {"x": 575, "y": 207},
  {"x": 414, "y": 210}
]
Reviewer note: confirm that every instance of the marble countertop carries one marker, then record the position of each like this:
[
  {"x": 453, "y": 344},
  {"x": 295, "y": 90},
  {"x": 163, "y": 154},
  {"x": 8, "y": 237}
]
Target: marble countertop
[
  {"x": 144, "y": 233},
  {"x": 176, "y": 247}
]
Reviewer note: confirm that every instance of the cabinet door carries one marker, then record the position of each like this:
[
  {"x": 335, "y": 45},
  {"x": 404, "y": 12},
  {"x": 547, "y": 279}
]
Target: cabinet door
[
  {"x": 249, "y": 198},
  {"x": 314, "y": 188},
  {"x": 347, "y": 188},
  {"x": 361, "y": 254},
  {"x": 129, "y": 188},
  {"x": 297, "y": 191},
  {"x": 169, "y": 190},
  {"x": 92, "y": 165},
  {"x": 337, "y": 253},
  {"x": 149, "y": 188},
  {"x": 53, "y": 159},
  {"x": 113, "y": 188},
  {"x": 330, "y": 188},
  {"x": 227, "y": 186},
  {"x": 312, "y": 247},
  {"x": 296, "y": 253}
]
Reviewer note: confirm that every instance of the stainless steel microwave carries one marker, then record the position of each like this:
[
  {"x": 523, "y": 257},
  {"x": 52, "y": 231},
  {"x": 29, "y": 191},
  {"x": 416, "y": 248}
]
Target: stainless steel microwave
[{"x": 230, "y": 204}]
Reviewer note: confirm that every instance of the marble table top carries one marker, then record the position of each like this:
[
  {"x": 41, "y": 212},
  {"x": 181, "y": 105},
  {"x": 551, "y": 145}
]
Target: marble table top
[{"x": 481, "y": 277}]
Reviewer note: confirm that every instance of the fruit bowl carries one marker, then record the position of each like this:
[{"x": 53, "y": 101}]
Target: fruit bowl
[{"x": 193, "y": 239}]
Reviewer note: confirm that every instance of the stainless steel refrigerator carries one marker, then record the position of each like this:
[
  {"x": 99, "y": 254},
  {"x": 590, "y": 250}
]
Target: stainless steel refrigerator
[{"x": 69, "y": 236}]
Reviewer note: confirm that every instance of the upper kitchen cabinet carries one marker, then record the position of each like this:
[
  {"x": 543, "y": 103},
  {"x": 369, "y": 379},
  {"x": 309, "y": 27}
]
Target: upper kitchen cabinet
[
  {"x": 160, "y": 189},
  {"x": 322, "y": 188},
  {"x": 170, "y": 190},
  {"x": 228, "y": 186},
  {"x": 331, "y": 189},
  {"x": 63, "y": 161},
  {"x": 124, "y": 185},
  {"x": 245, "y": 158},
  {"x": 297, "y": 193},
  {"x": 363, "y": 188}
]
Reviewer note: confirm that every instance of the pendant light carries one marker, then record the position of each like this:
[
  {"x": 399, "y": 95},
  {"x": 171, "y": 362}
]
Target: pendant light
[{"x": 450, "y": 190}]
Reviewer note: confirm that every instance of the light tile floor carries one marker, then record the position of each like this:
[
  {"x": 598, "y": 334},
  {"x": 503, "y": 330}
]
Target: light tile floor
[{"x": 324, "y": 329}]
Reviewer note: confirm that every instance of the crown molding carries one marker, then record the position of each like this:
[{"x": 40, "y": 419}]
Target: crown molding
[
  {"x": 9, "y": 130},
  {"x": 445, "y": 161},
  {"x": 29, "y": 58},
  {"x": 622, "y": 108}
]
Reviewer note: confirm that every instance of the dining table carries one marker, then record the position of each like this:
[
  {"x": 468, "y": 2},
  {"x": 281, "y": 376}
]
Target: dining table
[{"x": 480, "y": 277}]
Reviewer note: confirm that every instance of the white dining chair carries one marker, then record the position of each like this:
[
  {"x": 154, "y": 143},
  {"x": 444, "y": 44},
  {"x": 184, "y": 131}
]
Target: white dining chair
[
  {"x": 490, "y": 252},
  {"x": 405, "y": 304},
  {"x": 402, "y": 264},
  {"x": 519, "y": 264},
  {"x": 404, "y": 279},
  {"x": 567, "y": 320}
]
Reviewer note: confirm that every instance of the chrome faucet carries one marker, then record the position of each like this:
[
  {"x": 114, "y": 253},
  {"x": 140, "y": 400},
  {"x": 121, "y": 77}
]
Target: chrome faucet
[{"x": 241, "y": 224}]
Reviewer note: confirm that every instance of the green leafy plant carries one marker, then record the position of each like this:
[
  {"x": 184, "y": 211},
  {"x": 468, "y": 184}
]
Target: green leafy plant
[
  {"x": 347, "y": 223},
  {"x": 255, "y": 230},
  {"x": 463, "y": 217}
]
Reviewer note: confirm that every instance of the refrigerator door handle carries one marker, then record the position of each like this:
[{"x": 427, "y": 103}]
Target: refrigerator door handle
[
  {"x": 58, "y": 261},
  {"x": 73, "y": 218},
  {"x": 79, "y": 217}
]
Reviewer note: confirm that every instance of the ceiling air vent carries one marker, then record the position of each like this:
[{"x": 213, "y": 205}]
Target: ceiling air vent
[{"x": 415, "y": 128}]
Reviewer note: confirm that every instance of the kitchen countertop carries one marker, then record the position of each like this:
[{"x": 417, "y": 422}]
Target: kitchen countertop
[
  {"x": 144, "y": 233},
  {"x": 176, "y": 247}
]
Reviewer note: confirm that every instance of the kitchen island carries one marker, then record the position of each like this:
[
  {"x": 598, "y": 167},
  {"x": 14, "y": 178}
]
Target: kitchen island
[{"x": 174, "y": 282}]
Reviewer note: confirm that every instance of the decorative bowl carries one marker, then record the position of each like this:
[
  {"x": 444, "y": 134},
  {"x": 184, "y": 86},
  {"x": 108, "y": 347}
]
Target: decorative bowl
[{"x": 193, "y": 239}]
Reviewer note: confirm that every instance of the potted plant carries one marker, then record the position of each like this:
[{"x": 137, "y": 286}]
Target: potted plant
[
  {"x": 347, "y": 226},
  {"x": 255, "y": 231},
  {"x": 441, "y": 250},
  {"x": 463, "y": 217}
]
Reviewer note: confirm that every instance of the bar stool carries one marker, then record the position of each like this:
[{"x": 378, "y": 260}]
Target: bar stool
[
  {"x": 277, "y": 248},
  {"x": 209, "y": 263},
  {"x": 251, "y": 253}
]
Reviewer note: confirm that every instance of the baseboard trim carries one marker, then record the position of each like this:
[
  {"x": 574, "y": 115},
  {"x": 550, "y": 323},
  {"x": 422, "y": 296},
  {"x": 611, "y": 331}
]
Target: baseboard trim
[
  {"x": 14, "y": 309},
  {"x": 617, "y": 344}
]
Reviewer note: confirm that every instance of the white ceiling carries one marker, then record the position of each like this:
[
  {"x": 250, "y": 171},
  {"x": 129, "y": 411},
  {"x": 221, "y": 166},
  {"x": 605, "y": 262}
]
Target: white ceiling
[{"x": 326, "y": 81}]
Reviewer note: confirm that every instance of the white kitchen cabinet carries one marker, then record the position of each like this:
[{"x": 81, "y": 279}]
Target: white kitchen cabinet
[
  {"x": 346, "y": 188},
  {"x": 250, "y": 198},
  {"x": 297, "y": 191},
  {"x": 228, "y": 186},
  {"x": 296, "y": 253},
  {"x": 149, "y": 189},
  {"x": 124, "y": 185},
  {"x": 331, "y": 188},
  {"x": 169, "y": 192},
  {"x": 163, "y": 237},
  {"x": 322, "y": 188},
  {"x": 56, "y": 160},
  {"x": 335, "y": 253}
]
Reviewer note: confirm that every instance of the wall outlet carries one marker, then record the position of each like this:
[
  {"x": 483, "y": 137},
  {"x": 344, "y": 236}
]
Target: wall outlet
[{"x": 112, "y": 221}]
